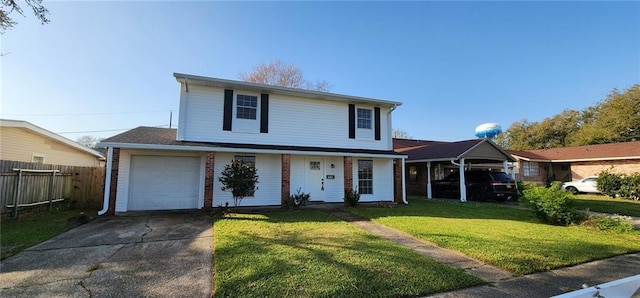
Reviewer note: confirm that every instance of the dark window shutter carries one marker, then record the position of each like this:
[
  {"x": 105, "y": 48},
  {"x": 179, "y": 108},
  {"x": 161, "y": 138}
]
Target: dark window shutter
[
  {"x": 264, "y": 113},
  {"x": 376, "y": 115},
  {"x": 352, "y": 121},
  {"x": 228, "y": 109}
]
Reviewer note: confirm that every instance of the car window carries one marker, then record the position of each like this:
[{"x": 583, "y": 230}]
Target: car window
[{"x": 500, "y": 176}]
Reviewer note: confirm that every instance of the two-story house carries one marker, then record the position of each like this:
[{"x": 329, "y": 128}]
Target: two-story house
[{"x": 318, "y": 142}]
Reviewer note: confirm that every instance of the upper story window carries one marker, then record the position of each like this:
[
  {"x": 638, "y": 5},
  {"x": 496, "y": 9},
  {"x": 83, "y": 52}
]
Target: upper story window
[
  {"x": 364, "y": 118},
  {"x": 530, "y": 169},
  {"x": 246, "y": 107}
]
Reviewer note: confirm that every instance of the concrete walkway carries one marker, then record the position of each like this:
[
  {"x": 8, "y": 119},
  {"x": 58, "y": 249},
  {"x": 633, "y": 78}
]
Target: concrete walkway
[
  {"x": 151, "y": 254},
  {"x": 502, "y": 283}
]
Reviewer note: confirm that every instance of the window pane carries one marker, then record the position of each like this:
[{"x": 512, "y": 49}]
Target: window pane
[
  {"x": 365, "y": 176},
  {"x": 246, "y": 106},
  {"x": 413, "y": 174},
  {"x": 364, "y": 118}
]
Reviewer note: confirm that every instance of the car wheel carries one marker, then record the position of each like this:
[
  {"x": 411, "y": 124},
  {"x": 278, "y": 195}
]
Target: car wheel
[
  {"x": 572, "y": 189},
  {"x": 476, "y": 194}
]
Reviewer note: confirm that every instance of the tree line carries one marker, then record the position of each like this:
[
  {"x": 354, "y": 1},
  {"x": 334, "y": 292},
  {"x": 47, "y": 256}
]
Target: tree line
[{"x": 615, "y": 119}]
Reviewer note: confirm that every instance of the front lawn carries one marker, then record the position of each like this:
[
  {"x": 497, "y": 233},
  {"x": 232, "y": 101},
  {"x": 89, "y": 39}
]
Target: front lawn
[
  {"x": 509, "y": 238},
  {"x": 16, "y": 235},
  {"x": 308, "y": 253},
  {"x": 607, "y": 205}
]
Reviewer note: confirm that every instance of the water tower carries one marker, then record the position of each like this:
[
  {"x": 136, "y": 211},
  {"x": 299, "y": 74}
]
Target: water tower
[{"x": 488, "y": 130}]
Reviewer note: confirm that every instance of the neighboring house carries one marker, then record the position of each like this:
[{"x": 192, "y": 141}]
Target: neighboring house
[
  {"x": 433, "y": 160},
  {"x": 574, "y": 163},
  {"x": 23, "y": 141},
  {"x": 320, "y": 143}
]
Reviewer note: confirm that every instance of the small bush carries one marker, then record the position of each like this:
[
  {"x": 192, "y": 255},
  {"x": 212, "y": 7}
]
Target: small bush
[
  {"x": 299, "y": 199},
  {"x": 351, "y": 197},
  {"x": 614, "y": 223},
  {"x": 630, "y": 186},
  {"x": 522, "y": 186},
  {"x": 609, "y": 183},
  {"x": 552, "y": 205}
]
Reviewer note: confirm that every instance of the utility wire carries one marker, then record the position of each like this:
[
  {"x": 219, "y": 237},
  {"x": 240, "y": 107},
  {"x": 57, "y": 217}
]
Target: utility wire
[{"x": 92, "y": 114}]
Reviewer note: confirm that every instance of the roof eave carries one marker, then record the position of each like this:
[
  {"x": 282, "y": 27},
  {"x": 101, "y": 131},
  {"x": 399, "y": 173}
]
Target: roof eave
[{"x": 262, "y": 88}]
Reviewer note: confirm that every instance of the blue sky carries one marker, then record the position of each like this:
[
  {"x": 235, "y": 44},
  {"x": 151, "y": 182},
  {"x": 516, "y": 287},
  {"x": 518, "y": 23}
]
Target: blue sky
[{"x": 101, "y": 67}]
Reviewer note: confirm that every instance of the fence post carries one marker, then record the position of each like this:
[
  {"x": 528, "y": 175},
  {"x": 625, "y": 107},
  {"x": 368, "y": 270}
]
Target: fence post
[
  {"x": 16, "y": 199},
  {"x": 51, "y": 194}
]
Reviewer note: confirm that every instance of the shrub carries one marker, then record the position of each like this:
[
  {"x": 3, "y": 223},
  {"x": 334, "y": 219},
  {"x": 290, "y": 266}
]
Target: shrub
[
  {"x": 522, "y": 186},
  {"x": 609, "y": 183},
  {"x": 630, "y": 186},
  {"x": 351, "y": 197},
  {"x": 552, "y": 205},
  {"x": 615, "y": 223},
  {"x": 241, "y": 178},
  {"x": 298, "y": 199}
]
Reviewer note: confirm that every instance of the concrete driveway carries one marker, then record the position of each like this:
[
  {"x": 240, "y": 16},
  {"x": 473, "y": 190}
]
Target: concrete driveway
[{"x": 167, "y": 254}]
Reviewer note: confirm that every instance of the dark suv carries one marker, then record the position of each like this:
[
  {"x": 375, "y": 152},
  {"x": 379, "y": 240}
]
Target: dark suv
[{"x": 480, "y": 184}]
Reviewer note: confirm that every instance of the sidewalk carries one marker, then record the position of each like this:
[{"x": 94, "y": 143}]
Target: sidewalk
[{"x": 502, "y": 283}]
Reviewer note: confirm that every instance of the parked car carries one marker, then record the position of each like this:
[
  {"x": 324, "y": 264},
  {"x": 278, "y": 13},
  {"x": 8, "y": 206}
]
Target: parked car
[
  {"x": 481, "y": 185},
  {"x": 586, "y": 185}
]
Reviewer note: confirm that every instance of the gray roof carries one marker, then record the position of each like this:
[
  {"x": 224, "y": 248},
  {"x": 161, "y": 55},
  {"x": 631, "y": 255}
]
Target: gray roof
[
  {"x": 476, "y": 149},
  {"x": 167, "y": 136}
]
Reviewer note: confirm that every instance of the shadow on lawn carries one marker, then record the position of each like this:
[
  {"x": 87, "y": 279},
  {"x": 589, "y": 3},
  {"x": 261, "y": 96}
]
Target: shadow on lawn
[{"x": 291, "y": 263}]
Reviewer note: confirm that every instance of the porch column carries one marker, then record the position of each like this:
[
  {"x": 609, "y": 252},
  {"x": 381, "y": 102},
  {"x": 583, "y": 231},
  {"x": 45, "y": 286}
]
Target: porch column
[
  {"x": 209, "y": 169},
  {"x": 113, "y": 185},
  {"x": 286, "y": 180},
  {"x": 398, "y": 171},
  {"x": 463, "y": 188},
  {"x": 429, "y": 195},
  {"x": 505, "y": 164}
]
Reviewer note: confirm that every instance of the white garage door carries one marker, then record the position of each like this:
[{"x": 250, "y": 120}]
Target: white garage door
[{"x": 164, "y": 183}]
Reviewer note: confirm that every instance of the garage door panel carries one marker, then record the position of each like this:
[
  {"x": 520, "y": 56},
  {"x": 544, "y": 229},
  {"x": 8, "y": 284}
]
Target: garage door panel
[{"x": 164, "y": 182}]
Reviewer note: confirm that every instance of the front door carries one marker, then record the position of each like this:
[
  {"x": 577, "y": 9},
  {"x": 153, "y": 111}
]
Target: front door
[{"x": 314, "y": 182}]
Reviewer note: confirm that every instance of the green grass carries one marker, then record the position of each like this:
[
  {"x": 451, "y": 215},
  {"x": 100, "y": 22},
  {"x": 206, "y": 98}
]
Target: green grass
[
  {"x": 607, "y": 205},
  {"x": 309, "y": 253},
  {"x": 15, "y": 236},
  {"x": 509, "y": 238}
]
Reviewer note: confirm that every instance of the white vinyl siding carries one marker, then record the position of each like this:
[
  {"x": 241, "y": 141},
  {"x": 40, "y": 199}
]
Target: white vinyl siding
[
  {"x": 382, "y": 180},
  {"x": 269, "y": 189},
  {"x": 292, "y": 122}
]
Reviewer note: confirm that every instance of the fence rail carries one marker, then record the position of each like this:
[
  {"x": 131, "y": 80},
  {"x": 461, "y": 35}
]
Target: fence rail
[{"x": 82, "y": 187}]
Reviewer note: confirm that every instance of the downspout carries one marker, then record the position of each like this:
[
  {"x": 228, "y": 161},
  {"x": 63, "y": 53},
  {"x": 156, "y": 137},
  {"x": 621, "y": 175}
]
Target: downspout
[
  {"x": 107, "y": 182},
  {"x": 429, "y": 195},
  {"x": 404, "y": 186}
]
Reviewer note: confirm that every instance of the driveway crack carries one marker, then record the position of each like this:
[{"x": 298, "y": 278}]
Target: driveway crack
[{"x": 149, "y": 229}]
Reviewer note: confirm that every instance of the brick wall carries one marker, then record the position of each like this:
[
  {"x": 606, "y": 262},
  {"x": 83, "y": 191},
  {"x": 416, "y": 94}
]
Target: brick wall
[
  {"x": 397, "y": 181},
  {"x": 585, "y": 169},
  {"x": 286, "y": 179},
  {"x": 113, "y": 188},
  {"x": 348, "y": 172},
  {"x": 209, "y": 172}
]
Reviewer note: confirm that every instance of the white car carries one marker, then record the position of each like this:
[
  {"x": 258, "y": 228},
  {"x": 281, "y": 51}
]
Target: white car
[{"x": 587, "y": 185}]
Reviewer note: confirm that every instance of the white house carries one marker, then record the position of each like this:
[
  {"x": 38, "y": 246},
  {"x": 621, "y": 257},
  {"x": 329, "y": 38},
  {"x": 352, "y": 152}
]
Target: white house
[{"x": 318, "y": 142}]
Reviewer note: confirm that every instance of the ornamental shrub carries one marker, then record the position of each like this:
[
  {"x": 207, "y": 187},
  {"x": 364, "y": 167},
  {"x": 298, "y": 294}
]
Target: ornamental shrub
[
  {"x": 609, "y": 183},
  {"x": 552, "y": 205},
  {"x": 239, "y": 177},
  {"x": 630, "y": 186},
  {"x": 351, "y": 197},
  {"x": 298, "y": 199}
]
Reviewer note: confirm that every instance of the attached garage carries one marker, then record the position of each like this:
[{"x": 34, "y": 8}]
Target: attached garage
[{"x": 164, "y": 182}]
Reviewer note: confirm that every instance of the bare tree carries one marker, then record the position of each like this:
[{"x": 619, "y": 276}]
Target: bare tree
[
  {"x": 88, "y": 141},
  {"x": 282, "y": 74},
  {"x": 9, "y": 6},
  {"x": 400, "y": 134}
]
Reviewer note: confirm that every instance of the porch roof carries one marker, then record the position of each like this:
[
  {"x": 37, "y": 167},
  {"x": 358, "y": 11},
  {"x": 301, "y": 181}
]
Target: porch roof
[
  {"x": 476, "y": 150},
  {"x": 613, "y": 151}
]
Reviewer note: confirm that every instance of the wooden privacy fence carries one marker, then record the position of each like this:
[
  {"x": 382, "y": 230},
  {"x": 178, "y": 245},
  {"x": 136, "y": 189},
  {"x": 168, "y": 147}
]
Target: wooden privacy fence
[{"x": 25, "y": 186}]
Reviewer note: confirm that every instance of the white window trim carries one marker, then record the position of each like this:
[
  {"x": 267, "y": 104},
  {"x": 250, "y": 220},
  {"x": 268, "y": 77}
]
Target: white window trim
[
  {"x": 242, "y": 125},
  {"x": 35, "y": 155},
  {"x": 372, "y": 179}
]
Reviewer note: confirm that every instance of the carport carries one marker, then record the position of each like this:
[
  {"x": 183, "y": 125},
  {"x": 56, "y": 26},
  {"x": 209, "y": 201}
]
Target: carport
[{"x": 434, "y": 157}]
